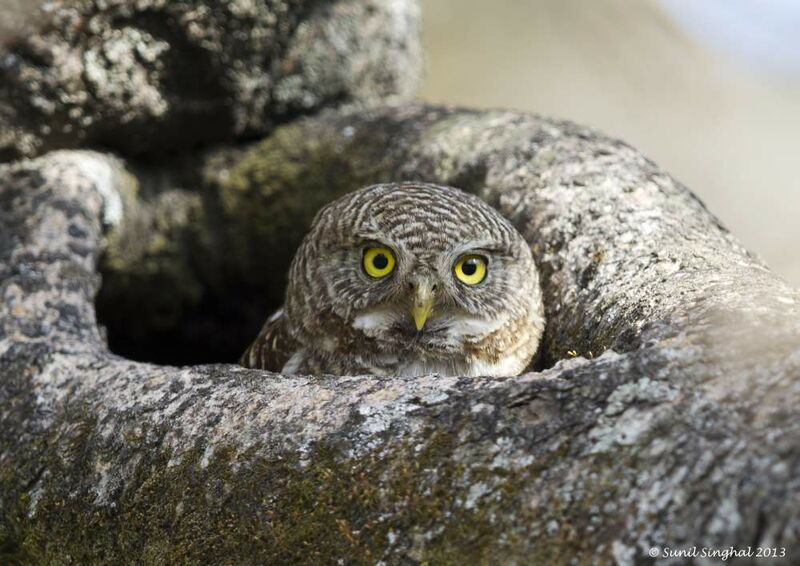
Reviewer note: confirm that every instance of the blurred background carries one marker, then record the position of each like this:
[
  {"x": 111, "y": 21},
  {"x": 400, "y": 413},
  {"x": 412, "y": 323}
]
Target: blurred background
[{"x": 709, "y": 89}]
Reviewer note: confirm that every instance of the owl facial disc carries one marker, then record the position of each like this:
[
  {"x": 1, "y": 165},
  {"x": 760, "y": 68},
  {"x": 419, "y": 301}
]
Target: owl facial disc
[{"x": 407, "y": 279}]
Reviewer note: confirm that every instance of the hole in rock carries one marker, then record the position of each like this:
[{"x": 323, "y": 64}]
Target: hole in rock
[
  {"x": 181, "y": 285},
  {"x": 165, "y": 327},
  {"x": 210, "y": 324}
]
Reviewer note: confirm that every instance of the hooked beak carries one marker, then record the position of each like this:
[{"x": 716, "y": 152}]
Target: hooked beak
[{"x": 422, "y": 302}]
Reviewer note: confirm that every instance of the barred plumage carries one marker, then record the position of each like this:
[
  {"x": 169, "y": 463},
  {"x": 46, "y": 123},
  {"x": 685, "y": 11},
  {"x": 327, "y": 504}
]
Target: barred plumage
[{"x": 412, "y": 312}]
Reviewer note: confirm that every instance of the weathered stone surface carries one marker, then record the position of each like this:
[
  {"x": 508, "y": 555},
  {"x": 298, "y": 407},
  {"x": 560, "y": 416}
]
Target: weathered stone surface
[
  {"x": 149, "y": 76},
  {"x": 676, "y": 425}
]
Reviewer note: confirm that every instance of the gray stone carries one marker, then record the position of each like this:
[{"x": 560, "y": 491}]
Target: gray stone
[
  {"x": 150, "y": 76},
  {"x": 664, "y": 413}
]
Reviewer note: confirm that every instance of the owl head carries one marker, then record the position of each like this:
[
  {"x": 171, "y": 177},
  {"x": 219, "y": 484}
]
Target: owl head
[{"x": 416, "y": 270}]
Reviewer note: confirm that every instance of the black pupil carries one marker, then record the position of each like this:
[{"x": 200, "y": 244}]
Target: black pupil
[
  {"x": 470, "y": 267},
  {"x": 380, "y": 261}
]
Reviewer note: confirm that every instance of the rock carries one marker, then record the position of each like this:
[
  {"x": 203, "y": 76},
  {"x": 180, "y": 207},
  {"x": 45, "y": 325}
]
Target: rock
[
  {"x": 151, "y": 76},
  {"x": 665, "y": 414}
]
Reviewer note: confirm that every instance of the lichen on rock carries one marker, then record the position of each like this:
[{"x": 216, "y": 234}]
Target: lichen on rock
[{"x": 151, "y": 76}]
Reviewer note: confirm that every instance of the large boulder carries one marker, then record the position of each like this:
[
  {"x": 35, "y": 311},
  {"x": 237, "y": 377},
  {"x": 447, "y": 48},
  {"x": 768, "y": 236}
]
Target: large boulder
[
  {"x": 153, "y": 76},
  {"x": 664, "y": 413}
]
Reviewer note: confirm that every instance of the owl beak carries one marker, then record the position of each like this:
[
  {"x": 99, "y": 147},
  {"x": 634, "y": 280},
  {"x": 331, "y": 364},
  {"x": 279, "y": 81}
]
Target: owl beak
[{"x": 422, "y": 304}]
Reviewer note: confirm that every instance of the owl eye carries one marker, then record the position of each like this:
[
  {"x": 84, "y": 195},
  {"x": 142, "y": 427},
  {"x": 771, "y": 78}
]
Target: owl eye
[
  {"x": 378, "y": 262},
  {"x": 470, "y": 269}
]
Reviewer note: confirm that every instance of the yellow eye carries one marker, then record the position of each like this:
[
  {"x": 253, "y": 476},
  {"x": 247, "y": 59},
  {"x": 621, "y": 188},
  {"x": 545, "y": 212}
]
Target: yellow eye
[
  {"x": 378, "y": 262},
  {"x": 470, "y": 269}
]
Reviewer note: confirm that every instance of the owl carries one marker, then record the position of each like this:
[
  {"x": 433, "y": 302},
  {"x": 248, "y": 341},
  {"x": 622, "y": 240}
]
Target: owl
[{"x": 406, "y": 279}]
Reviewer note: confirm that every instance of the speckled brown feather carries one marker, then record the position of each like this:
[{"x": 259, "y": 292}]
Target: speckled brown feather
[{"x": 272, "y": 348}]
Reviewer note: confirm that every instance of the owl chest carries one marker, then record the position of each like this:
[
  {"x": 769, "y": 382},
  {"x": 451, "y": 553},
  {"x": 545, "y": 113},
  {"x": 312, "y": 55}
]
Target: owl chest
[
  {"x": 409, "y": 365},
  {"x": 461, "y": 366},
  {"x": 352, "y": 353},
  {"x": 380, "y": 364}
]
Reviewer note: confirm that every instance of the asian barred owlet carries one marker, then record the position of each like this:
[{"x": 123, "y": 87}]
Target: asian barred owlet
[{"x": 406, "y": 279}]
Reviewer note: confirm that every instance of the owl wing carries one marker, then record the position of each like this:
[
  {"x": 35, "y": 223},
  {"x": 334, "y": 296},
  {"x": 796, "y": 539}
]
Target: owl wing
[{"x": 273, "y": 346}]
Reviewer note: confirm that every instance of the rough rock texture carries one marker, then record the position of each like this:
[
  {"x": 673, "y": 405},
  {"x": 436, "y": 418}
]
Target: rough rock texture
[
  {"x": 149, "y": 76},
  {"x": 676, "y": 424}
]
